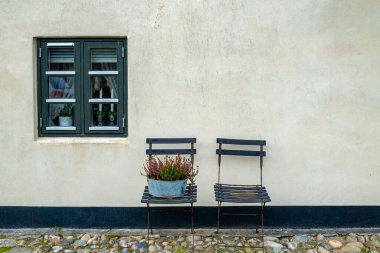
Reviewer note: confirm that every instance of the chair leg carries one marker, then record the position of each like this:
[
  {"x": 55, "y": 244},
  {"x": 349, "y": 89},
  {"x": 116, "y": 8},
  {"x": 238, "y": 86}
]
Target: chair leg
[
  {"x": 150, "y": 229},
  {"x": 192, "y": 224},
  {"x": 192, "y": 218},
  {"x": 262, "y": 224},
  {"x": 218, "y": 239},
  {"x": 218, "y": 221}
]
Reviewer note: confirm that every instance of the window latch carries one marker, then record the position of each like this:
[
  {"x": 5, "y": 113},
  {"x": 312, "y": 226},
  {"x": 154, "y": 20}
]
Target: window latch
[
  {"x": 124, "y": 121},
  {"x": 40, "y": 52},
  {"x": 41, "y": 122},
  {"x": 122, "y": 52}
]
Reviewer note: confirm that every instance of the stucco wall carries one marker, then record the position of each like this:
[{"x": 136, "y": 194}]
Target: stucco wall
[{"x": 304, "y": 75}]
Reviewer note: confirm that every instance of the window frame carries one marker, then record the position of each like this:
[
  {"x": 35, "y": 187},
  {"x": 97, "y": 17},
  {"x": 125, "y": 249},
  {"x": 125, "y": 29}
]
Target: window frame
[{"x": 82, "y": 87}]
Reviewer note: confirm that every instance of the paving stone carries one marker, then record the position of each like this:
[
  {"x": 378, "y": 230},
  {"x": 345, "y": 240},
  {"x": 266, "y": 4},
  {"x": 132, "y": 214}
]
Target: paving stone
[
  {"x": 68, "y": 239},
  {"x": 152, "y": 248},
  {"x": 8, "y": 243},
  {"x": 80, "y": 243},
  {"x": 85, "y": 237},
  {"x": 301, "y": 238},
  {"x": 19, "y": 250},
  {"x": 351, "y": 249},
  {"x": 369, "y": 245},
  {"x": 102, "y": 243},
  {"x": 54, "y": 238},
  {"x": 376, "y": 243},
  {"x": 271, "y": 238},
  {"x": 196, "y": 238},
  {"x": 271, "y": 244},
  {"x": 134, "y": 247},
  {"x": 355, "y": 244},
  {"x": 292, "y": 246},
  {"x": 322, "y": 250},
  {"x": 335, "y": 243},
  {"x": 351, "y": 238},
  {"x": 320, "y": 237}
]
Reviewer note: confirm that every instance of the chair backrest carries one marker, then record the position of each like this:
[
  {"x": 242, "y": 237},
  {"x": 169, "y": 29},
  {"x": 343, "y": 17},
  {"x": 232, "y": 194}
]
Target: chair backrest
[
  {"x": 164, "y": 151},
  {"x": 240, "y": 152}
]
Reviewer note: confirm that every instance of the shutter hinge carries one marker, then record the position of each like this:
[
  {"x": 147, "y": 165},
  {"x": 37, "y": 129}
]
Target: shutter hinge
[
  {"x": 122, "y": 52},
  {"x": 40, "y": 52},
  {"x": 124, "y": 121},
  {"x": 41, "y": 122}
]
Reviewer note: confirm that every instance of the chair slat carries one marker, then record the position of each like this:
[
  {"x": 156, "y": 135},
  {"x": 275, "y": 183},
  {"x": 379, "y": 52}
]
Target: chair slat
[
  {"x": 171, "y": 151},
  {"x": 240, "y": 152},
  {"x": 239, "y": 187},
  {"x": 238, "y": 193},
  {"x": 241, "y": 193},
  {"x": 170, "y": 140},
  {"x": 240, "y": 142},
  {"x": 224, "y": 191},
  {"x": 236, "y": 200}
]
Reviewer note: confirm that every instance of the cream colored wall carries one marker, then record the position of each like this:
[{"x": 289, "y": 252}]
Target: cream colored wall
[{"x": 304, "y": 75}]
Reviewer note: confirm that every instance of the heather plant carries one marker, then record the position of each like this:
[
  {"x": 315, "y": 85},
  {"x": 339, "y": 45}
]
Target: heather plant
[
  {"x": 169, "y": 169},
  {"x": 172, "y": 173}
]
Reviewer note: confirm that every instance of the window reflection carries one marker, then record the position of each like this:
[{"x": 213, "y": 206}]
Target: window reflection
[
  {"x": 104, "y": 87},
  {"x": 61, "y": 87}
]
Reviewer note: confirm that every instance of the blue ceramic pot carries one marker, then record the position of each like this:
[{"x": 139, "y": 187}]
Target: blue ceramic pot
[{"x": 164, "y": 189}]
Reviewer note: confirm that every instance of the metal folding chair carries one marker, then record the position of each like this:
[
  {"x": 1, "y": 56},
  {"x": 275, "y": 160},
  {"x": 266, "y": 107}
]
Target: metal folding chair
[
  {"x": 237, "y": 193},
  {"x": 190, "y": 196}
]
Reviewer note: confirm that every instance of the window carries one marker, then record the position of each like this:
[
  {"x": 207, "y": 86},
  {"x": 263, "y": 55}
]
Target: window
[{"x": 82, "y": 87}]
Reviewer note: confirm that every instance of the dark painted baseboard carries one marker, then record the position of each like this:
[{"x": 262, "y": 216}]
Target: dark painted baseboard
[{"x": 176, "y": 217}]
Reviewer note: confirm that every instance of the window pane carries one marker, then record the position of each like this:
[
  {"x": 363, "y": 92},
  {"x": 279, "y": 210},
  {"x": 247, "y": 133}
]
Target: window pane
[
  {"x": 104, "y": 87},
  {"x": 104, "y": 114},
  {"x": 61, "y": 87},
  {"x": 103, "y": 59},
  {"x": 61, "y": 58},
  {"x": 61, "y": 115}
]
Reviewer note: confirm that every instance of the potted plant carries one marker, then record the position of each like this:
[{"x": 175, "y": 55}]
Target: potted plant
[
  {"x": 112, "y": 116},
  {"x": 66, "y": 116},
  {"x": 168, "y": 177},
  {"x": 100, "y": 115}
]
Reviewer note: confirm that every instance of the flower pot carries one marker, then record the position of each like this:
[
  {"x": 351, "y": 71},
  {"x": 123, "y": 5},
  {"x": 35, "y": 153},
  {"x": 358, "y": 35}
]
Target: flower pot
[
  {"x": 164, "y": 189},
  {"x": 100, "y": 120},
  {"x": 112, "y": 120},
  {"x": 65, "y": 121}
]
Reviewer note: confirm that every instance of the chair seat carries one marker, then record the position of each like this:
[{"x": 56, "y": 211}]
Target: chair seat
[
  {"x": 190, "y": 196},
  {"x": 241, "y": 193}
]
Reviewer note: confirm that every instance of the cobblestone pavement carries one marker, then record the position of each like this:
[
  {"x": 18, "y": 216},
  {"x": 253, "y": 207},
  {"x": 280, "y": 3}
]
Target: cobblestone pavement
[{"x": 105, "y": 241}]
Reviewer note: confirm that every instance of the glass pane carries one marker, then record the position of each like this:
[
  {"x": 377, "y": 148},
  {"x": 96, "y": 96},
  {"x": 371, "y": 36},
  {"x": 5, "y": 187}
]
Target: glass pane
[
  {"x": 61, "y": 115},
  {"x": 104, "y": 86},
  {"x": 61, "y": 58},
  {"x": 103, "y": 59},
  {"x": 61, "y": 87},
  {"x": 104, "y": 114}
]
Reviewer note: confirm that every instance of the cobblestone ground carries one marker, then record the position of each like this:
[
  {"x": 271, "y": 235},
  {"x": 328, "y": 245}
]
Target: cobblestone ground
[{"x": 106, "y": 242}]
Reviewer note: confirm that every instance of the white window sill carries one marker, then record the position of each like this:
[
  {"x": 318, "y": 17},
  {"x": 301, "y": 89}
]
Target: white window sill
[{"x": 79, "y": 140}]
